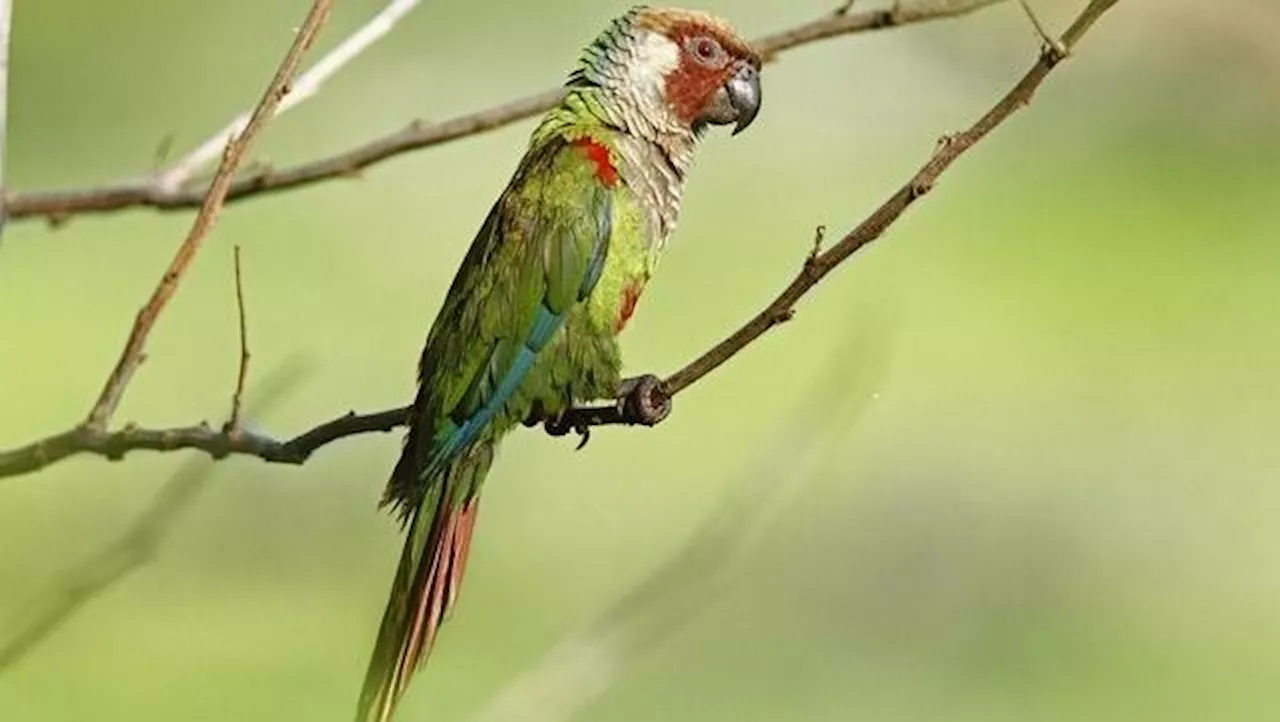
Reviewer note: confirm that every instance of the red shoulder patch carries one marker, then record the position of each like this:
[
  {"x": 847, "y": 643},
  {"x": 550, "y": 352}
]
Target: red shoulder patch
[{"x": 597, "y": 153}]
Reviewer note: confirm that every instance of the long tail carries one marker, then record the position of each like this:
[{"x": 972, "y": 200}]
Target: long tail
[{"x": 426, "y": 584}]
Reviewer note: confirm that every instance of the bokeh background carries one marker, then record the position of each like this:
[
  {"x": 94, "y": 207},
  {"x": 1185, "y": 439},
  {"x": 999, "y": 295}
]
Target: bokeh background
[{"x": 1016, "y": 461}]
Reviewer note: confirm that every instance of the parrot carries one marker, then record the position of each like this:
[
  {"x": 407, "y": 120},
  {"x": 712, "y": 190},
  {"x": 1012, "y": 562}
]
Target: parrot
[{"x": 529, "y": 326}]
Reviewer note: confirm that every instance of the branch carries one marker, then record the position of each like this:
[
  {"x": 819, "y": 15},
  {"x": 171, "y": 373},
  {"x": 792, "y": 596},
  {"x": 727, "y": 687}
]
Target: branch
[
  {"x": 172, "y": 179},
  {"x": 217, "y": 443},
  {"x": 132, "y": 355},
  {"x": 818, "y": 264},
  {"x": 59, "y": 205}
]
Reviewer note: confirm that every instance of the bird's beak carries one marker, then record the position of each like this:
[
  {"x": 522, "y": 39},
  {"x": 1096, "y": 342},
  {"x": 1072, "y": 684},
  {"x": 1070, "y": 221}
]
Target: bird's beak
[
  {"x": 744, "y": 95},
  {"x": 737, "y": 101}
]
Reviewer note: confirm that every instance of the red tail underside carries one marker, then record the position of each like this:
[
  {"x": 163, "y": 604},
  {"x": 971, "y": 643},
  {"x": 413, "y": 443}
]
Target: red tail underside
[{"x": 439, "y": 590}]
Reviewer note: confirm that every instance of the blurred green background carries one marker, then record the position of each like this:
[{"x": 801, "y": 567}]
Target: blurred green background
[{"x": 1036, "y": 479}]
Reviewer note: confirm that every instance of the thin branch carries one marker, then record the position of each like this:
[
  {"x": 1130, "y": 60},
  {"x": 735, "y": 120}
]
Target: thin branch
[
  {"x": 113, "y": 445},
  {"x": 819, "y": 263},
  {"x": 51, "y": 607},
  {"x": 949, "y": 150},
  {"x": 133, "y": 354},
  {"x": 233, "y": 420},
  {"x": 172, "y": 179},
  {"x": 60, "y": 205},
  {"x": 217, "y": 443}
]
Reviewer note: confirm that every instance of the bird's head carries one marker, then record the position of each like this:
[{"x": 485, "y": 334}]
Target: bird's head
[{"x": 674, "y": 71}]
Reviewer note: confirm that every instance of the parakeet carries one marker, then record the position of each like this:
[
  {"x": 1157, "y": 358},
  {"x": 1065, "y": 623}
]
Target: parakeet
[{"x": 529, "y": 325}]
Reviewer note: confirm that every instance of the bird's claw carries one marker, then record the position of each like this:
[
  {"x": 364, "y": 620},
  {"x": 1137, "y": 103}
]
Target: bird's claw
[
  {"x": 562, "y": 425},
  {"x": 642, "y": 400}
]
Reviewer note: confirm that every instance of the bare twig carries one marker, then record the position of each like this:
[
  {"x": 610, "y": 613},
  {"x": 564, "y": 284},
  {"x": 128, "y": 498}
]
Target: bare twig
[
  {"x": 233, "y": 420},
  {"x": 59, "y": 205},
  {"x": 217, "y": 443},
  {"x": 132, "y": 355},
  {"x": 173, "y": 178},
  {"x": 50, "y": 608},
  {"x": 817, "y": 265},
  {"x": 879, "y": 221},
  {"x": 114, "y": 445}
]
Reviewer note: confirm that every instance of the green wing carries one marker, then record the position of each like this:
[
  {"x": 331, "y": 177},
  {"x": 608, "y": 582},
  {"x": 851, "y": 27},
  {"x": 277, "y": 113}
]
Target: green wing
[{"x": 539, "y": 253}]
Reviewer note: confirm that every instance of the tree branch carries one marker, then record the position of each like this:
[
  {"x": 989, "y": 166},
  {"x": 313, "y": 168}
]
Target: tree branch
[
  {"x": 60, "y": 205},
  {"x": 818, "y": 264},
  {"x": 217, "y": 443},
  {"x": 132, "y": 355}
]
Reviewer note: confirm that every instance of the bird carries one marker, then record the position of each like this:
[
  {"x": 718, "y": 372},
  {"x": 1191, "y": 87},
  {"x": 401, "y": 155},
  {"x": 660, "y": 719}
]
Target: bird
[{"x": 529, "y": 326}]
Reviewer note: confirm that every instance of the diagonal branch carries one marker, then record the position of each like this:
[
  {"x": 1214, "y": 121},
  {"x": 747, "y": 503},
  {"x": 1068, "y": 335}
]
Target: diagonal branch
[
  {"x": 817, "y": 266},
  {"x": 132, "y": 355},
  {"x": 59, "y": 205},
  {"x": 820, "y": 263}
]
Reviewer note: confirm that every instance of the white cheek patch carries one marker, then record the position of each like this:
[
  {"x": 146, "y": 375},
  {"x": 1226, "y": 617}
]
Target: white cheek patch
[{"x": 653, "y": 57}]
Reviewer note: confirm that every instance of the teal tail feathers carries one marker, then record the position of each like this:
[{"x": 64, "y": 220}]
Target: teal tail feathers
[{"x": 427, "y": 581}]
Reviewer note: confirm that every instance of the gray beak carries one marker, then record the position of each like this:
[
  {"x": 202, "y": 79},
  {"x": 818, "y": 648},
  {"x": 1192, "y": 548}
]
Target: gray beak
[
  {"x": 737, "y": 101},
  {"x": 744, "y": 94}
]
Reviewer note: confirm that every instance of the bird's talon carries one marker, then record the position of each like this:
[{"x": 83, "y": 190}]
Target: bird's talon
[{"x": 585, "y": 432}]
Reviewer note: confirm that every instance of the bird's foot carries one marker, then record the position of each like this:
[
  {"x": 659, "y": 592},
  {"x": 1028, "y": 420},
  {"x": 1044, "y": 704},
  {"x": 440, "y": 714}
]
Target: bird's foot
[
  {"x": 566, "y": 421},
  {"x": 639, "y": 401}
]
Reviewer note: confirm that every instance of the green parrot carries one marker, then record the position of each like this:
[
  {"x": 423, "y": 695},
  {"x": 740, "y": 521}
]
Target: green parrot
[{"x": 529, "y": 326}]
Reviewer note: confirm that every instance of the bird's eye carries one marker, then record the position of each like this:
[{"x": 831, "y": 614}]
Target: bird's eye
[{"x": 707, "y": 51}]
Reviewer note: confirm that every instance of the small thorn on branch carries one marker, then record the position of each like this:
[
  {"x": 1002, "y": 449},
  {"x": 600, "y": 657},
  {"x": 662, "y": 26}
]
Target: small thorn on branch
[{"x": 844, "y": 8}]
